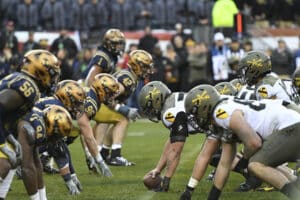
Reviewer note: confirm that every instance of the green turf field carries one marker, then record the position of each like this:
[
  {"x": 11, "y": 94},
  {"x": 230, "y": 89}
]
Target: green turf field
[{"x": 143, "y": 146}]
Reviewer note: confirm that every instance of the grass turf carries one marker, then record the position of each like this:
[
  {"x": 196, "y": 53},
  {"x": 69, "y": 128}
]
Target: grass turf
[{"x": 143, "y": 146}]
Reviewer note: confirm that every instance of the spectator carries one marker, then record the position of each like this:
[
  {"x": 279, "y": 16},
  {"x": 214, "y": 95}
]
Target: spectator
[
  {"x": 143, "y": 15},
  {"x": 64, "y": 42},
  {"x": 179, "y": 32},
  {"x": 81, "y": 16},
  {"x": 99, "y": 15},
  {"x": 198, "y": 64},
  {"x": 170, "y": 53},
  {"x": 27, "y": 15},
  {"x": 297, "y": 55},
  {"x": 218, "y": 60},
  {"x": 8, "y": 62},
  {"x": 30, "y": 44},
  {"x": 163, "y": 67},
  {"x": 223, "y": 13},
  {"x": 282, "y": 59},
  {"x": 148, "y": 41},
  {"x": 247, "y": 46},
  {"x": 234, "y": 55},
  {"x": 164, "y": 14},
  {"x": 202, "y": 28},
  {"x": 122, "y": 16},
  {"x": 84, "y": 57},
  {"x": 181, "y": 63},
  {"x": 8, "y": 38},
  {"x": 53, "y": 15},
  {"x": 66, "y": 64},
  {"x": 124, "y": 61}
]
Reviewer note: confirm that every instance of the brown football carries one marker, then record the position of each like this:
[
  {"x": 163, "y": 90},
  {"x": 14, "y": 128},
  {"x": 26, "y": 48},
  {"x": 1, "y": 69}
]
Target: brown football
[{"x": 152, "y": 183}]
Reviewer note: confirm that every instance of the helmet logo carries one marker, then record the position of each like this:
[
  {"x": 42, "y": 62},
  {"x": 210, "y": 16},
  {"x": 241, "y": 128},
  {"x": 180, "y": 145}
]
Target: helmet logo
[
  {"x": 255, "y": 63},
  {"x": 224, "y": 90},
  {"x": 152, "y": 93},
  {"x": 200, "y": 97}
]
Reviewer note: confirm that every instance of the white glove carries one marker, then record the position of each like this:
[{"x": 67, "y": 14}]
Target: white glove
[
  {"x": 133, "y": 114},
  {"x": 10, "y": 154},
  {"x": 17, "y": 147},
  {"x": 103, "y": 168},
  {"x": 76, "y": 181},
  {"x": 90, "y": 161},
  {"x": 73, "y": 190}
]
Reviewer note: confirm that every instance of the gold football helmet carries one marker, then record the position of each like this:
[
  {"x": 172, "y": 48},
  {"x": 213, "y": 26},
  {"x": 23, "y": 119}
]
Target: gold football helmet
[
  {"x": 72, "y": 95},
  {"x": 106, "y": 87},
  {"x": 141, "y": 63},
  {"x": 58, "y": 121},
  {"x": 114, "y": 41},
  {"x": 42, "y": 66}
]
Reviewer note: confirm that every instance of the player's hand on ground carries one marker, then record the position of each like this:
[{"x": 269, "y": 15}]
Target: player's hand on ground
[
  {"x": 164, "y": 185},
  {"x": 91, "y": 163},
  {"x": 104, "y": 169},
  {"x": 73, "y": 190},
  {"x": 76, "y": 181}
]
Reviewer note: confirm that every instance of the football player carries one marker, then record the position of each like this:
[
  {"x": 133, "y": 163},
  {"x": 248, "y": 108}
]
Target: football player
[
  {"x": 117, "y": 114},
  {"x": 82, "y": 105},
  {"x": 252, "y": 122},
  {"x": 34, "y": 129},
  {"x": 19, "y": 91},
  {"x": 158, "y": 103},
  {"x": 255, "y": 69},
  {"x": 106, "y": 57}
]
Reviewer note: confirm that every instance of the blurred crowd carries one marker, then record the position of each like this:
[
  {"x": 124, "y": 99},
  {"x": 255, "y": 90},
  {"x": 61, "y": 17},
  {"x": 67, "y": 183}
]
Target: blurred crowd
[
  {"x": 183, "y": 64},
  {"x": 91, "y": 15}
]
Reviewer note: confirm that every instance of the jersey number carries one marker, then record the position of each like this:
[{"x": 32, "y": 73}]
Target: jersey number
[
  {"x": 26, "y": 89},
  {"x": 255, "y": 105}
]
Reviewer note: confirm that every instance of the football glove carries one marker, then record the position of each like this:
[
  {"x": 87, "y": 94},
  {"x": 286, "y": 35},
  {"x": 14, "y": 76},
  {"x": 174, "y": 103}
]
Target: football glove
[
  {"x": 91, "y": 164},
  {"x": 103, "y": 168},
  {"x": 164, "y": 186},
  {"x": 130, "y": 113},
  {"x": 73, "y": 190},
  {"x": 17, "y": 146},
  {"x": 76, "y": 181},
  {"x": 11, "y": 155}
]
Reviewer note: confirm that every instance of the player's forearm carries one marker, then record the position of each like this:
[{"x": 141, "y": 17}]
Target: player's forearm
[
  {"x": 163, "y": 158},
  {"x": 172, "y": 163},
  {"x": 29, "y": 176}
]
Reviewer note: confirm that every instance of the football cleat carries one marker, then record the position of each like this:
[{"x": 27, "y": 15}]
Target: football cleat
[{"x": 119, "y": 161}]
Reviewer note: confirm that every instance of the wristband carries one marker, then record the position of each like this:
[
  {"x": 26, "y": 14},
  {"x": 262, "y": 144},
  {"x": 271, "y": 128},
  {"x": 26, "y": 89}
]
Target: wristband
[{"x": 193, "y": 182}]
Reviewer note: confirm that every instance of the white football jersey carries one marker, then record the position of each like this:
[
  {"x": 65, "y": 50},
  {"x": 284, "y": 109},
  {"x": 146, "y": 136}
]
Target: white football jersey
[
  {"x": 173, "y": 105},
  {"x": 265, "y": 116},
  {"x": 273, "y": 86},
  {"x": 247, "y": 93}
]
